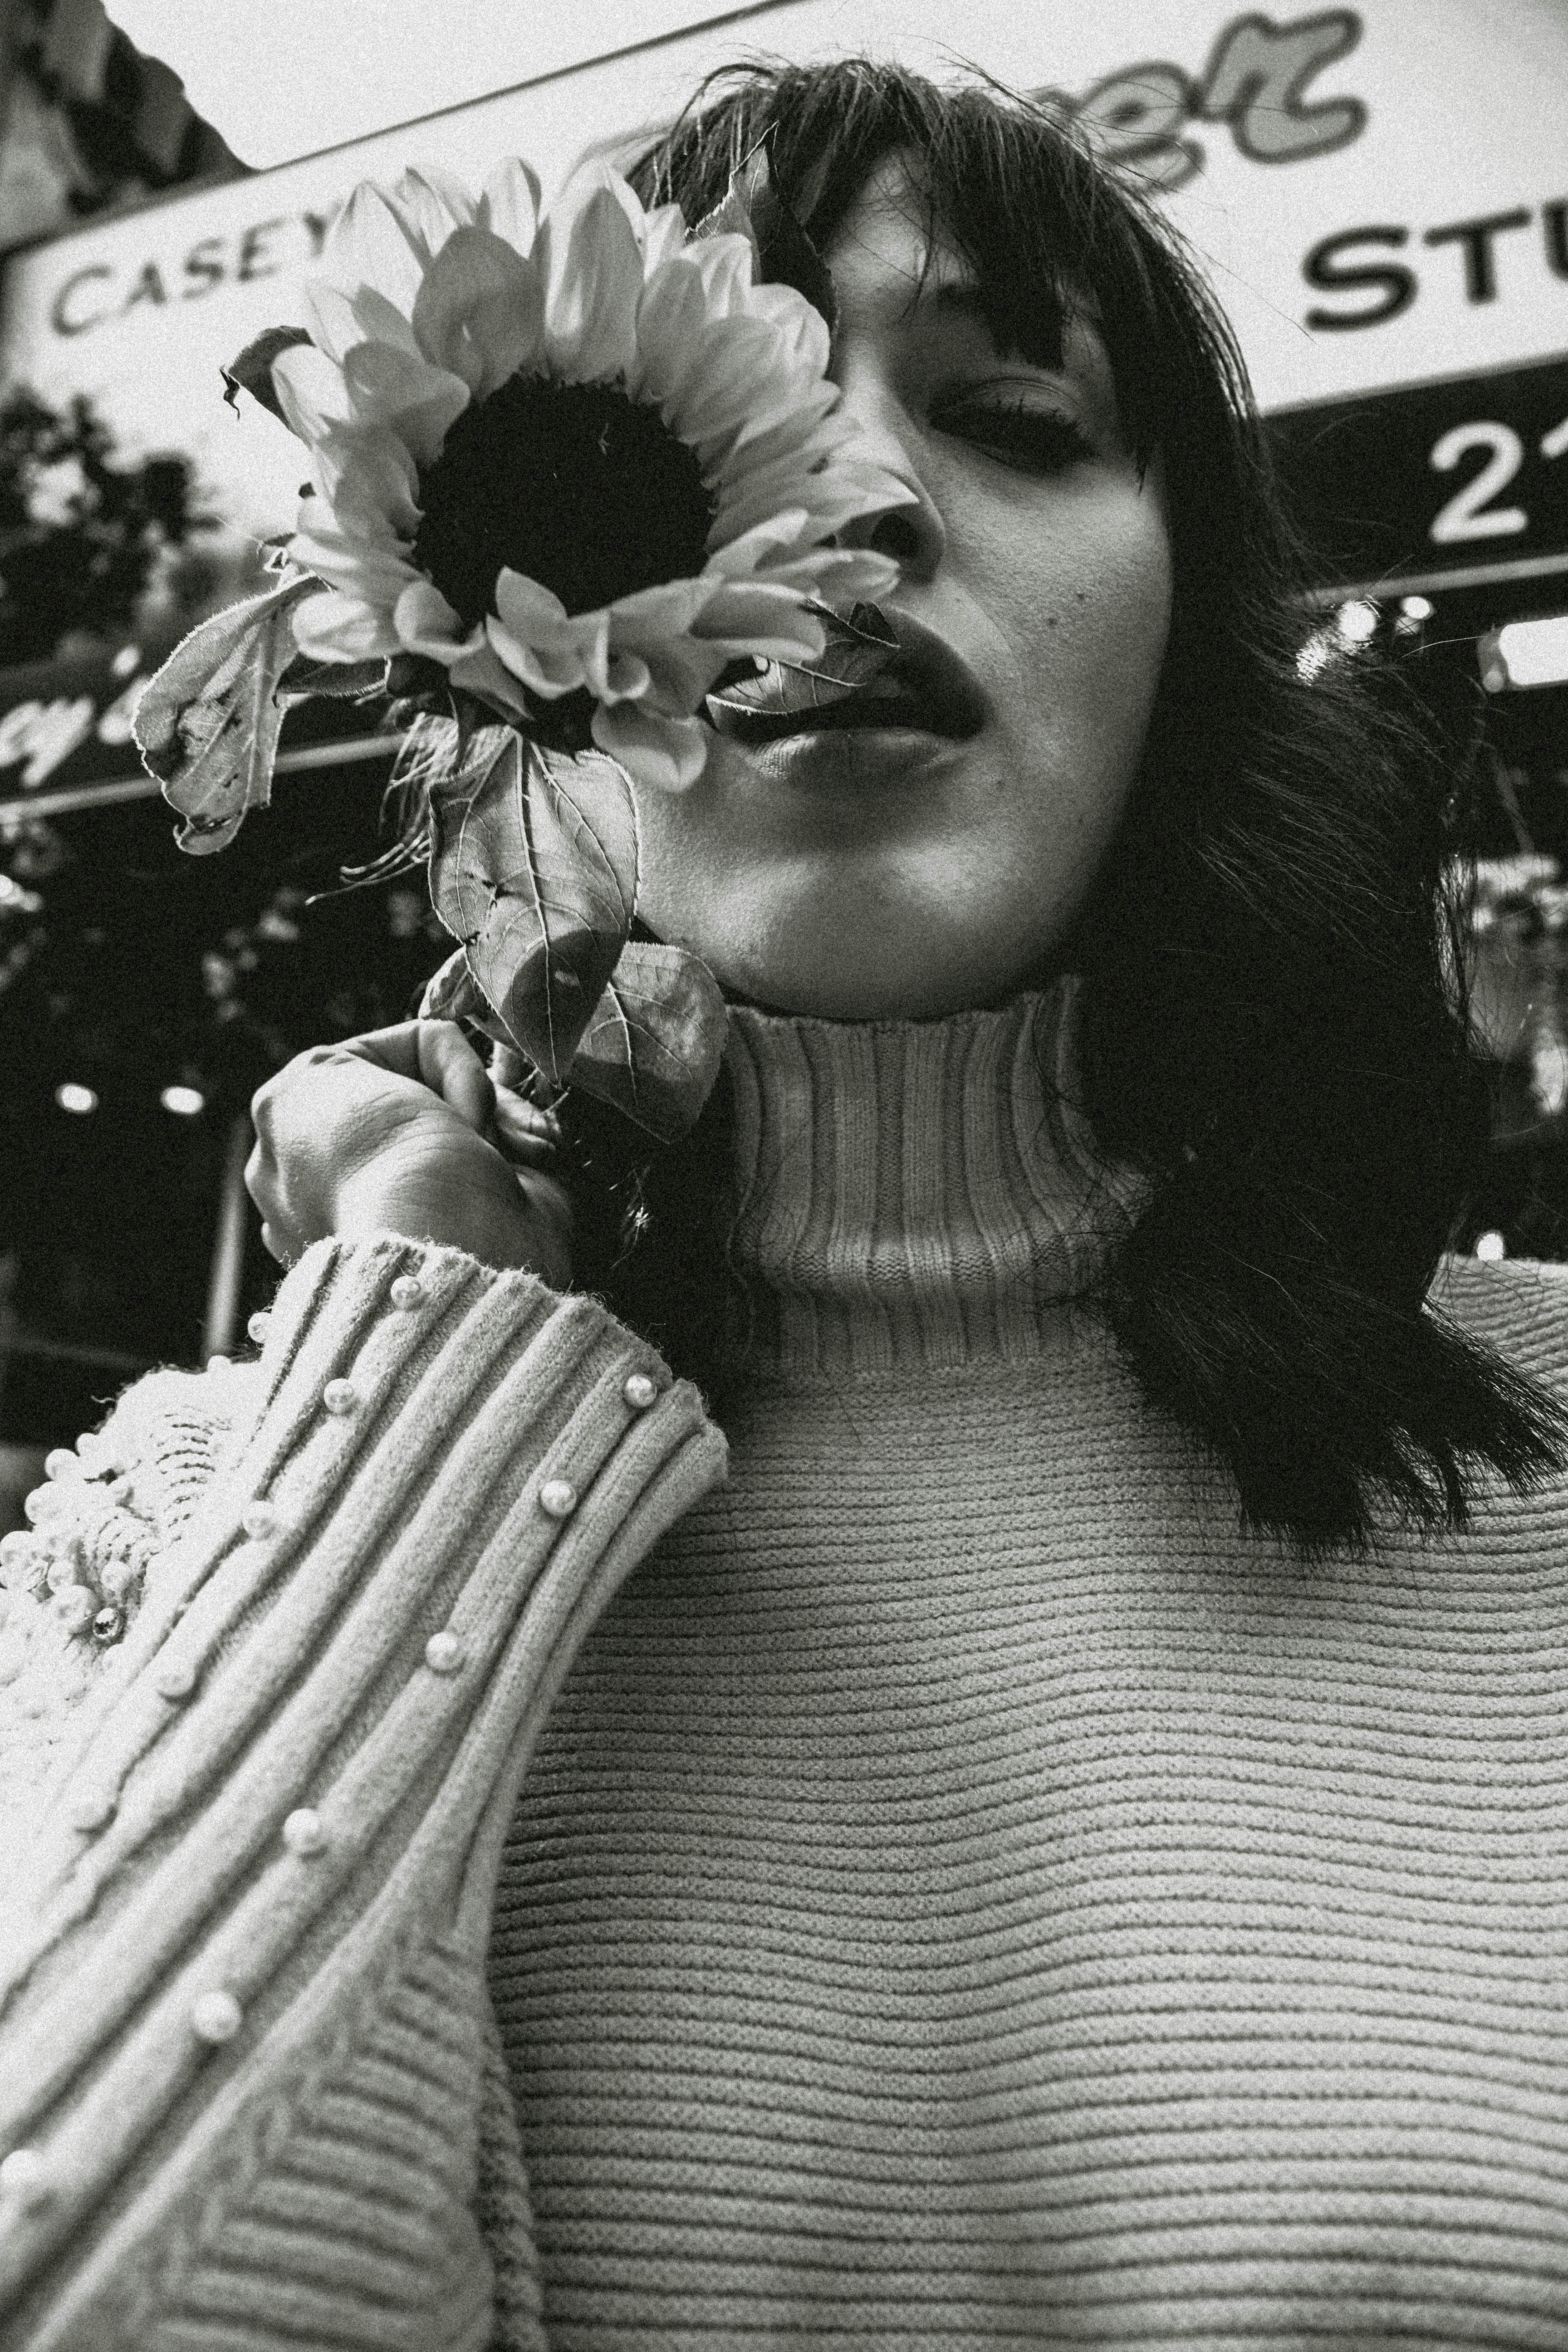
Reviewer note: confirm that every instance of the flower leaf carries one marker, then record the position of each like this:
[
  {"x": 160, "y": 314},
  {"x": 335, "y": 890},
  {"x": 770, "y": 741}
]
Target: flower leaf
[
  {"x": 756, "y": 208},
  {"x": 452, "y": 994},
  {"x": 533, "y": 866},
  {"x": 252, "y": 371},
  {"x": 207, "y": 723},
  {"x": 305, "y": 679},
  {"x": 655, "y": 1043}
]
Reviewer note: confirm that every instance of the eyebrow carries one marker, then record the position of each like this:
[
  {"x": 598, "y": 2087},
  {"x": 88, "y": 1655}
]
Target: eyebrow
[{"x": 1037, "y": 339}]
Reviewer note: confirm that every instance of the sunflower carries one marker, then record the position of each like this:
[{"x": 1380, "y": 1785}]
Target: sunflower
[{"x": 580, "y": 461}]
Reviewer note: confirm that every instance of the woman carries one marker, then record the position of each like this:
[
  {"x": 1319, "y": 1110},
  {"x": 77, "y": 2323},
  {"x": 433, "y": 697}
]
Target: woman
[{"x": 1064, "y": 1844}]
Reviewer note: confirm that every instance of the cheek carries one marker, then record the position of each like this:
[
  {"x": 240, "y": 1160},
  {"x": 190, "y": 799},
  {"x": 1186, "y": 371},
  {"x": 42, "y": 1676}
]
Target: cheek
[{"x": 1086, "y": 615}]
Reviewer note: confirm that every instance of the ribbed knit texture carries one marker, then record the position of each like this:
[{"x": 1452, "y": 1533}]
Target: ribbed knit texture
[
  {"x": 965, "y": 1893},
  {"x": 353, "y": 1619}
]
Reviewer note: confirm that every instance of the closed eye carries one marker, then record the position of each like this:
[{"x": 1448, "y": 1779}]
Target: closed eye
[{"x": 1031, "y": 439}]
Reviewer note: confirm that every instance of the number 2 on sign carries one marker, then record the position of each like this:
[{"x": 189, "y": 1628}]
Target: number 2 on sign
[{"x": 1469, "y": 514}]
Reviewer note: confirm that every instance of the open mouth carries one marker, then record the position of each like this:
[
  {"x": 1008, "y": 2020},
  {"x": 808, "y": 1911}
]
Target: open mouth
[{"x": 906, "y": 677}]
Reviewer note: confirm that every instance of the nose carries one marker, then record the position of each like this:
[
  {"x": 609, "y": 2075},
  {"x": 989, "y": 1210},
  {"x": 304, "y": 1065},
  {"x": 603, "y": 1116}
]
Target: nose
[{"x": 914, "y": 535}]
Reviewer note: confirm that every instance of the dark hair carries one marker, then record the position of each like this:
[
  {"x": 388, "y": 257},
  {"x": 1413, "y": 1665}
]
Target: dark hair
[{"x": 1273, "y": 1024}]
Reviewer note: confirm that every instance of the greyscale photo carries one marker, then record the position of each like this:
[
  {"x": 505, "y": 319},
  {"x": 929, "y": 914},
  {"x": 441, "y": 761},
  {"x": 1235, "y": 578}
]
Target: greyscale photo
[{"x": 783, "y": 1176}]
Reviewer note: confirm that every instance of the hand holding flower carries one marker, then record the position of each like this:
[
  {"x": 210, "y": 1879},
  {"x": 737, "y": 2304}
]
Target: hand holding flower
[{"x": 403, "y": 1130}]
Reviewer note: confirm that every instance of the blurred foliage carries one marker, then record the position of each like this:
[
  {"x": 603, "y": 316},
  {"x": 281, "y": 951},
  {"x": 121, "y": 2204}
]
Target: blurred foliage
[
  {"x": 82, "y": 538},
  {"x": 126, "y": 967}
]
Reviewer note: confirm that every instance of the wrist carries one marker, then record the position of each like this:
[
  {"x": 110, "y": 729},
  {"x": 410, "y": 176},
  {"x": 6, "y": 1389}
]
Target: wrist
[{"x": 487, "y": 1221}]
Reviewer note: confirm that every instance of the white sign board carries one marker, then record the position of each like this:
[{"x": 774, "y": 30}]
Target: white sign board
[{"x": 1380, "y": 194}]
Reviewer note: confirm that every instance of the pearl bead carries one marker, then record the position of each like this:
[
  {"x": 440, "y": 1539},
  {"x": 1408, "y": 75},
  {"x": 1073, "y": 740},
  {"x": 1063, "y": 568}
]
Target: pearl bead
[
  {"x": 215, "y": 2017},
  {"x": 220, "y": 1363},
  {"x": 88, "y": 1808},
  {"x": 407, "y": 1293},
  {"x": 258, "y": 1518},
  {"x": 174, "y": 1678},
  {"x": 303, "y": 1833},
  {"x": 19, "y": 1556},
  {"x": 640, "y": 1391},
  {"x": 108, "y": 1626},
  {"x": 339, "y": 1396},
  {"x": 559, "y": 1498},
  {"x": 76, "y": 1608},
  {"x": 119, "y": 1578},
  {"x": 24, "y": 2179},
  {"x": 65, "y": 1570},
  {"x": 120, "y": 1490},
  {"x": 259, "y": 1325},
  {"x": 61, "y": 1463},
  {"x": 445, "y": 1652},
  {"x": 45, "y": 1503}
]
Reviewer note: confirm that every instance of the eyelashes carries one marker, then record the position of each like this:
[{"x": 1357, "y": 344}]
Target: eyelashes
[{"x": 1032, "y": 440}]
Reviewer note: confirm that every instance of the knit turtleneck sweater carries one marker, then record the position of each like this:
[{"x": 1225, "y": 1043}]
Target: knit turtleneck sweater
[
  {"x": 940, "y": 1885},
  {"x": 965, "y": 1891}
]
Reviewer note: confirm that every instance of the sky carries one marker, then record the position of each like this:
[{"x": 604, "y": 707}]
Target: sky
[{"x": 281, "y": 78}]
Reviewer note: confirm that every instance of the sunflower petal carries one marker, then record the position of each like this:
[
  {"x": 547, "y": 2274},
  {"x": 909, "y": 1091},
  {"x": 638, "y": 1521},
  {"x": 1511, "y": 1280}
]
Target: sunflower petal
[
  {"x": 393, "y": 387},
  {"x": 667, "y": 754},
  {"x": 430, "y": 204},
  {"x": 531, "y": 610},
  {"x": 664, "y": 233},
  {"x": 740, "y": 611},
  {"x": 510, "y": 204},
  {"x": 339, "y": 321},
  {"x": 339, "y": 627},
  {"x": 730, "y": 365},
  {"x": 311, "y": 392},
  {"x": 479, "y": 671},
  {"x": 368, "y": 245},
  {"x": 780, "y": 533},
  {"x": 841, "y": 576},
  {"x": 594, "y": 283},
  {"x": 479, "y": 312},
  {"x": 425, "y": 623},
  {"x": 724, "y": 263},
  {"x": 379, "y": 571},
  {"x": 799, "y": 324},
  {"x": 369, "y": 481},
  {"x": 548, "y": 669}
]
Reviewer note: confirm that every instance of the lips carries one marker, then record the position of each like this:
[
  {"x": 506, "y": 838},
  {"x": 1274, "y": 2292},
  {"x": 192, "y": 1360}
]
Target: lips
[{"x": 918, "y": 681}]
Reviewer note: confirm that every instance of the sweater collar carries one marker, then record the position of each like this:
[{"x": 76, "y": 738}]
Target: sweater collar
[{"x": 914, "y": 1191}]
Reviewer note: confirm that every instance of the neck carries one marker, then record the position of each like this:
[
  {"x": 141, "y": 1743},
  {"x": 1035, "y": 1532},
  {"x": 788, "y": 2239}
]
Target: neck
[{"x": 914, "y": 1191}]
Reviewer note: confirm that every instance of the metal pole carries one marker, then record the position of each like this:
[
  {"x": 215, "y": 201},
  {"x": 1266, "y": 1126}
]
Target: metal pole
[{"x": 219, "y": 1329}]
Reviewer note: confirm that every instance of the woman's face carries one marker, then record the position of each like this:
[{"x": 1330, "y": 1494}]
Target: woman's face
[{"x": 911, "y": 871}]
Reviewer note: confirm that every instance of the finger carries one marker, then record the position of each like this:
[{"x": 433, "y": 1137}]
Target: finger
[
  {"x": 521, "y": 1117},
  {"x": 450, "y": 1067},
  {"x": 396, "y": 1049}
]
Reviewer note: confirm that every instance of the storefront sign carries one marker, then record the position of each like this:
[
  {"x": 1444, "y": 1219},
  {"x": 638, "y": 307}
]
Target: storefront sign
[
  {"x": 1379, "y": 193},
  {"x": 1437, "y": 485}
]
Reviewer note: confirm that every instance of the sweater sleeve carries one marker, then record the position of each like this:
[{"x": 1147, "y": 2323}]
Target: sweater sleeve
[
  {"x": 73, "y": 1580},
  {"x": 308, "y": 1750}
]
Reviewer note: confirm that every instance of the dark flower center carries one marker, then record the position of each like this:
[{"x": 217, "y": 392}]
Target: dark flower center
[{"x": 572, "y": 484}]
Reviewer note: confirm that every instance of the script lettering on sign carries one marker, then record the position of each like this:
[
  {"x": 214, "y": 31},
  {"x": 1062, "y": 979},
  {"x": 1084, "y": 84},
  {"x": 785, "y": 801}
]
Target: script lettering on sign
[{"x": 1255, "y": 83}]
